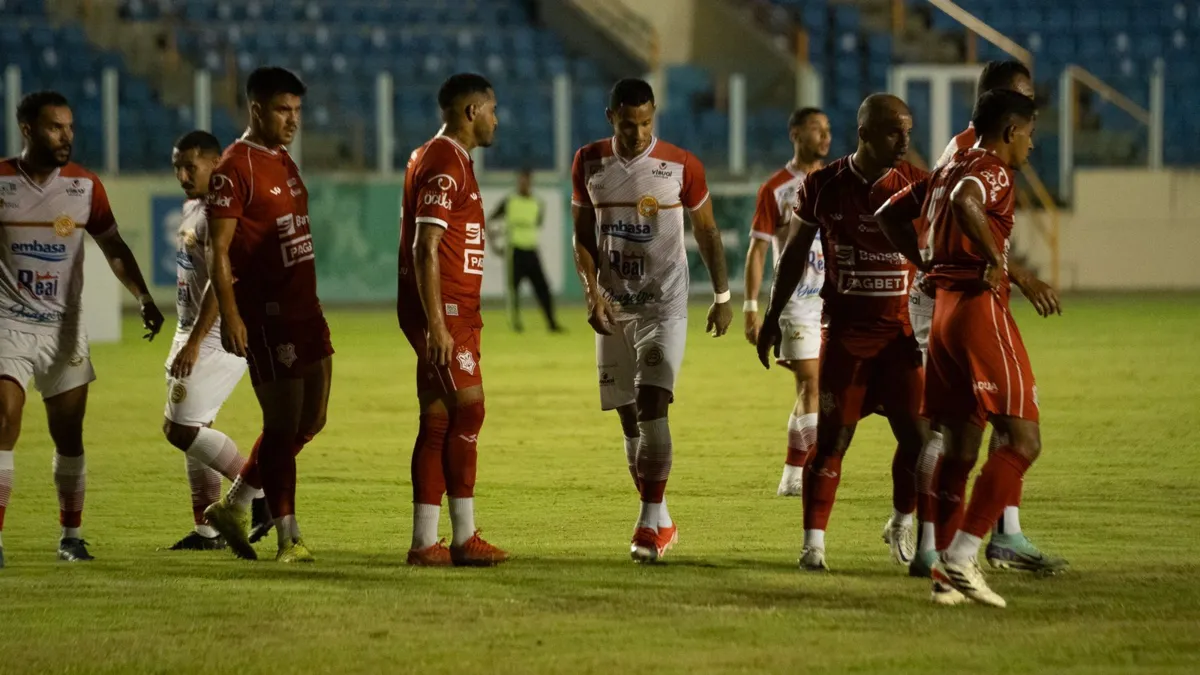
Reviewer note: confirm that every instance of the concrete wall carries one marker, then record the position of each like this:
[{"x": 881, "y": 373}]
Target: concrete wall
[
  {"x": 1128, "y": 230},
  {"x": 673, "y": 20}
]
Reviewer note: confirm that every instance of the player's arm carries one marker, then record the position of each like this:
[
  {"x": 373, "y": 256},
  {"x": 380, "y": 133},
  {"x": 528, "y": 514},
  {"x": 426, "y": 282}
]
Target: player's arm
[
  {"x": 756, "y": 260},
  {"x": 788, "y": 274},
  {"x": 970, "y": 212},
  {"x": 587, "y": 252},
  {"x": 896, "y": 218},
  {"x": 712, "y": 252},
  {"x": 186, "y": 358},
  {"x": 439, "y": 344},
  {"x": 496, "y": 215},
  {"x": 1043, "y": 297},
  {"x": 233, "y": 330}
]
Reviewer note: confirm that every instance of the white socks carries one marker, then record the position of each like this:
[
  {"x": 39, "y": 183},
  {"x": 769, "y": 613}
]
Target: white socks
[
  {"x": 964, "y": 547},
  {"x": 70, "y": 480},
  {"x": 802, "y": 431},
  {"x": 631, "y": 448},
  {"x": 206, "y": 531},
  {"x": 650, "y": 515},
  {"x": 462, "y": 519},
  {"x": 242, "y": 493},
  {"x": 216, "y": 451},
  {"x": 654, "y": 450},
  {"x": 1010, "y": 522},
  {"x": 928, "y": 539},
  {"x": 815, "y": 539},
  {"x": 901, "y": 518},
  {"x": 425, "y": 525}
]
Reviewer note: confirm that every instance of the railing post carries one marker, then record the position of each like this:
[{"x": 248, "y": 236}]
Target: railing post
[
  {"x": 1066, "y": 131},
  {"x": 12, "y": 97},
  {"x": 562, "y": 124},
  {"x": 1157, "y": 106},
  {"x": 737, "y": 124},
  {"x": 385, "y": 119},
  {"x": 202, "y": 101},
  {"x": 110, "y": 105}
]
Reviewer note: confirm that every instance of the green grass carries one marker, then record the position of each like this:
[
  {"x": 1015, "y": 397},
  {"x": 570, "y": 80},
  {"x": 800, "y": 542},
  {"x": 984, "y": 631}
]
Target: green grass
[{"x": 1117, "y": 491}]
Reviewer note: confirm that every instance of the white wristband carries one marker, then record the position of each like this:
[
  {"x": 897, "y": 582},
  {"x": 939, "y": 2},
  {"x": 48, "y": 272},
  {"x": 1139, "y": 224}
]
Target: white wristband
[
  {"x": 750, "y": 306},
  {"x": 722, "y": 297},
  {"x": 145, "y": 299}
]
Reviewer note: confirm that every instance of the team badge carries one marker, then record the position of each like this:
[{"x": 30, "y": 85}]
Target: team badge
[
  {"x": 466, "y": 362},
  {"x": 286, "y": 354},
  {"x": 64, "y": 226},
  {"x": 654, "y": 357},
  {"x": 178, "y": 393},
  {"x": 828, "y": 404},
  {"x": 75, "y": 361},
  {"x": 647, "y": 206}
]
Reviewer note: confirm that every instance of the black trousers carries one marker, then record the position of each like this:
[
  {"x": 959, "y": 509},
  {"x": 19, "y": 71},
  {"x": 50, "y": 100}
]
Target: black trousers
[{"x": 525, "y": 264}]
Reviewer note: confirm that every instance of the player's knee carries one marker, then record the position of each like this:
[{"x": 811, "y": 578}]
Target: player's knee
[
  {"x": 629, "y": 421},
  {"x": 1027, "y": 443},
  {"x": 179, "y": 435},
  {"x": 309, "y": 430},
  {"x": 468, "y": 418}
]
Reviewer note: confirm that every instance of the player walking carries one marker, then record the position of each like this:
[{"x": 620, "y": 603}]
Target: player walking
[
  {"x": 259, "y": 236},
  {"x": 629, "y": 194},
  {"x": 46, "y": 202},
  {"x": 808, "y": 129},
  {"x": 870, "y": 358},
  {"x": 441, "y": 272},
  {"x": 200, "y": 374}
]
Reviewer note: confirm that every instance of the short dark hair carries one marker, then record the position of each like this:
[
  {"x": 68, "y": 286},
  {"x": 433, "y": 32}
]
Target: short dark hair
[
  {"x": 267, "y": 82},
  {"x": 799, "y": 117},
  {"x": 1000, "y": 74},
  {"x": 199, "y": 140},
  {"x": 31, "y": 106},
  {"x": 631, "y": 92},
  {"x": 459, "y": 85},
  {"x": 999, "y": 108}
]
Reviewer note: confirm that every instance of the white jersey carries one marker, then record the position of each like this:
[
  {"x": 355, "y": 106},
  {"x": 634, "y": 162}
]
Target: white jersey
[
  {"x": 773, "y": 222},
  {"x": 639, "y": 205},
  {"x": 192, "y": 271},
  {"x": 41, "y": 264}
]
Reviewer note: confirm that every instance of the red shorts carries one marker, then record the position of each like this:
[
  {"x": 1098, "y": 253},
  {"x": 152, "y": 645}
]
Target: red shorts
[
  {"x": 853, "y": 386},
  {"x": 977, "y": 364},
  {"x": 463, "y": 371},
  {"x": 281, "y": 349}
]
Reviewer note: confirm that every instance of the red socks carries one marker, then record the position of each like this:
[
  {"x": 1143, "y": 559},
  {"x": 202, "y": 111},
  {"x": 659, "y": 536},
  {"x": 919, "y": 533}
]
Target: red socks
[
  {"x": 461, "y": 455},
  {"x": 904, "y": 478},
  {"x": 821, "y": 479},
  {"x": 998, "y": 485},
  {"x": 951, "y": 485},
  {"x": 277, "y": 467},
  {"x": 428, "y": 479}
]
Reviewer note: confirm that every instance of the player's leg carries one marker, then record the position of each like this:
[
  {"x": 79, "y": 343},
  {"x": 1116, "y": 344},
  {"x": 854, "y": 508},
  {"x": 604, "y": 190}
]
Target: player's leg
[
  {"x": 920, "y": 313},
  {"x": 901, "y": 382},
  {"x": 428, "y": 479},
  {"x": 541, "y": 289},
  {"x": 1009, "y": 547},
  {"x": 12, "y": 403},
  {"x": 64, "y": 415},
  {"x": 800, "y": 353},
  {"x": 282, "y": 404},
  {"x": 615, "y": 367},
  {"x": 205, "y": 485},
  {"x": 627, "y": 414}
]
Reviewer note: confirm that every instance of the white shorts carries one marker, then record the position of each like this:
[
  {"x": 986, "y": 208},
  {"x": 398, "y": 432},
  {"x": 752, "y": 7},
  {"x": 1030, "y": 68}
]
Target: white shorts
[
  {"x": 800, "y": 327},
  {"x": 195, "y": 400},
  {"x": 640, "y": 352},
  {"x": 920, "y": 315},
  {"x": 56, "y": 363}
]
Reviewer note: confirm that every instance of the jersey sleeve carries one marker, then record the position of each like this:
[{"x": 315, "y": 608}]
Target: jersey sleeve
[
  {"x": 579, "y": 191},
  {"x": 766, "y": 214},
  {"x": 694, "y": 191},
  {"x": 100, "y": 218},
  {"x": 994, "y": 179},
  {"x": 439, "y": 182},
  {"x": 806, "y": 200},
  {"x": 229, "y": 190},
  {"x": 906, "y": 204}
]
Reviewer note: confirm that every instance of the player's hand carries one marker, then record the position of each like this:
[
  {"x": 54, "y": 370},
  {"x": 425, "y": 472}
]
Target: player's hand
[
  {"x": 769, "y": 338},
  {"x": 752, "y": 325},
  {"x": 233, "y": 335},
  {"x": 601, "y": 316},
  {"x": 439, "y": 345},
  {"x": 994, "y": 276},
  {"x": 152, "y": 319},
  {"x": 720, "y": 315},
  {"x": 185, "y": 360},
  {"x": 1043, "y": 297}
]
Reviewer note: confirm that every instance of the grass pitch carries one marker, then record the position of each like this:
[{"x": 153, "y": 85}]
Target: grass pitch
[{"x": 1117, "y": 491}]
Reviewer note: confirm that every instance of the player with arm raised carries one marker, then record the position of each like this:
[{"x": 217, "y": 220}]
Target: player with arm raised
[
  {"x": 808, "y": 129},
  {"x": 628, "y": 199},
  {"x": 978, "y": 369},
  {"x": 46, "y": 204},
  {"x": 200, "y": 374},
  {"x": 262, "y": 270},
  {"x": 1008, "y": 547},
  {"x": 870, "y": 358},
  {"x": 441, "y": 273}
]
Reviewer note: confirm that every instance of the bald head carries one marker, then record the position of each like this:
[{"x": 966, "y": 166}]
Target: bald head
[{"x": 884, "y": 124}]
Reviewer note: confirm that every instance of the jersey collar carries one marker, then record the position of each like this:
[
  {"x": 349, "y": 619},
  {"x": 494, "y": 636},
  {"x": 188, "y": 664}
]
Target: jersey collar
[
  {"x": 29, "y": 179},
  {"x": 854, "y": 170},
  {"x": 457, "y": 146},
  {"x": 628, "y": 162},
  {"x": 256, "y": 146}
]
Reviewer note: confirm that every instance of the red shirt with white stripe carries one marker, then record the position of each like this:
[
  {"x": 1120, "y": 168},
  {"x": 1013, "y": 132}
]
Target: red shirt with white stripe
[{"x": 440, "y": 191}]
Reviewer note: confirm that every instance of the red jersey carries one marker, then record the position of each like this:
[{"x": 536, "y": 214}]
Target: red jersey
[
  {"x": 965, "y": 139},
  {"x": 956, "y": 263},
  {"x": 271, "y": 254},
  {"x": 866, "y": 278},
  {"x": 440, "y": 190}
]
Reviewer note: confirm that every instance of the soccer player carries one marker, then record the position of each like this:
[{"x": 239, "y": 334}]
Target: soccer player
[
  {"x": 260, "y": 262},
  {"x": 1008, "y": 547},
  {"x": 808, "y": 129},
  {"x": 870, "y": 358},
  {"x": 200, "y": 374},
  {"x": 522, "y": 214},
  {"x": 978, "y": 369},
  {"x": 629, "y": 195},
  {"x": 46, "y": 203},
  {"x": 441, "y": 272}
]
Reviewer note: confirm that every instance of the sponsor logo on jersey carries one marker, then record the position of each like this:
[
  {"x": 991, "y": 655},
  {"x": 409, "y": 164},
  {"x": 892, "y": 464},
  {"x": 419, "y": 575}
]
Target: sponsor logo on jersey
[
  {"x": 296, "y": 191},
  {"x": 630, "y": 299},
  {"x": 627, "y": 266},
  {"x": 178, "y": 393},
  {"x": 473, "y": 261},
  {"x": 451, "y": 309},
  {"x": 835, "y": 216},
  {"x": 76, "y": 189},
  {"x": 286, "y": 225},
  {"x": 220, "y": 183},
  {"x": 220, "y": 202},
  {"x": 606, "y": 380},
  {"x": 23, "y": 312},
  {"x": 878, "y": 283},
  {"x": 475, "y": 196},
  {"x": 441, "y": 199},
  {"x": 276, "y": 190},
  {"x": 183, "y": 297},
  {"x": 890, "y": 257},
  {"x": 662, "y": 171},
  {"x": 38, "y": 284},
  {"x": 827, "y": 402},
  {"x": 286, "y": 354},
  {"x": 989, "y": 387},
  {"x": 40, "y": 251},
  {"x": 845, "y": 255},
  {"x": 183, "y": 260},
  {"x": 647, "y": 206},
  {"x": 64, "y": 226},
  {"x": 995, "y": 182},
  {"x": 9, "y": 203},
  {"x": 466, "y": 361},
  {"x": 7, "y": 188},
  {"x": 640, "y": 233},
  {"x": 297, "y": 250}
]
